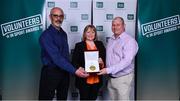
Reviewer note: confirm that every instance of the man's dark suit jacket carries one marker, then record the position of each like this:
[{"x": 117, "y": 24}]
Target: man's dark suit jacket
[{"x": 79, "y": 61}]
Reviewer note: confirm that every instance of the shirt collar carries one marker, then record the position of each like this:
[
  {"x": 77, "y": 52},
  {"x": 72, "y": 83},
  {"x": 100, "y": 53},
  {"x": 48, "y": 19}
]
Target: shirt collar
[
  {"x": 120, "y": 36},
  {"x": 54, "y": 29}
]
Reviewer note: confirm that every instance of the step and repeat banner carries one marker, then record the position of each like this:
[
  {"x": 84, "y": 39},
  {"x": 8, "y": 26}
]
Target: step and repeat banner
[
  {"x": 79, "y": 13},
  {"x": 22, "y": 22},
  {"x": 158, "y": 64},
  {"x": 105, "y": 10},
  {"x": 21, "y": 25},
  {"x": 158, "y": 60}
]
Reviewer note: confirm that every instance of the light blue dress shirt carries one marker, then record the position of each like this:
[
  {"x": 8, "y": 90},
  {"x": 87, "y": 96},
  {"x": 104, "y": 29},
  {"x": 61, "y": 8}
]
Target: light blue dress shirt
[{"x": 121, "y": 52}]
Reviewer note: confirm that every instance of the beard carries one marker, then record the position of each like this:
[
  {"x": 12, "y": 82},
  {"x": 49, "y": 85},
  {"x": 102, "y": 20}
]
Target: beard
[{"x": 57, "y": 23}]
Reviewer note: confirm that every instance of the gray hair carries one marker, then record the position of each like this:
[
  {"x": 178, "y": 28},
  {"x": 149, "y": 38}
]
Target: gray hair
[{"x": 119, "y": 18}]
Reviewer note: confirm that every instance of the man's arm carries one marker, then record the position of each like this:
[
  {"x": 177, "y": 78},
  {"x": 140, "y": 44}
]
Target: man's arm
[
  {"x": 52, "y": 50},
  {"x": 129, "y": 52},
  {"x": 57, "y": 58}
]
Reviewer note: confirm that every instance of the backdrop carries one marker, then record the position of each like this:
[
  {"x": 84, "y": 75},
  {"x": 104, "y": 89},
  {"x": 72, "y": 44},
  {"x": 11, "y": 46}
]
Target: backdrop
[
  {"x": 158, "y": 65},
  {"x": 23, "y": 21},
  {"x": 21, "y": 25}
]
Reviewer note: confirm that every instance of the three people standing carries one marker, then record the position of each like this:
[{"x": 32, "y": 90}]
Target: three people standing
[{"x": 119, "y": 55}]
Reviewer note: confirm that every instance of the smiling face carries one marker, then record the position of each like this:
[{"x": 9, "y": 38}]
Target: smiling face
[
  {"x": 56, "y": 17},
  {"x": 118, "y": 26},
  {"x": 89, "y": 33}
]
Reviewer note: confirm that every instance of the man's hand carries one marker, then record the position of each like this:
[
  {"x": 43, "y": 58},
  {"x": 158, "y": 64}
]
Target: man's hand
[
  {"x": 102, "y": 72},
  {"x": 80, "y": 72}
]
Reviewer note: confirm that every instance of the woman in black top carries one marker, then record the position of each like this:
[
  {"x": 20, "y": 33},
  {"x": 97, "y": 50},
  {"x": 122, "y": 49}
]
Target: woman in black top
[{"x": 88, "y": 87}]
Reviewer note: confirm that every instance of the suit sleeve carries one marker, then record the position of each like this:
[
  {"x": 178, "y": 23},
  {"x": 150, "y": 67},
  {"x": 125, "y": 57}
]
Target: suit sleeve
[{"x": 76, "y": 56}]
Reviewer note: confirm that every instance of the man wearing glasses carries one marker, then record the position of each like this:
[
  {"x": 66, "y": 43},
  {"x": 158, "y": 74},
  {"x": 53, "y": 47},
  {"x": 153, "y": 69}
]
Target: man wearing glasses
[{"x": 55, "y": 60}]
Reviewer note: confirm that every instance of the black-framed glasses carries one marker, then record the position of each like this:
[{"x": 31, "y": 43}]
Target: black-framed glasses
[{"x": 56, "y": 15}]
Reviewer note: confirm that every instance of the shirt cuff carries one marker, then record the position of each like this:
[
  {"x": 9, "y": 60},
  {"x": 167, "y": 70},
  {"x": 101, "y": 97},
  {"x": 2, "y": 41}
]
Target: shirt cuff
[{"x": 108, "y": 70}]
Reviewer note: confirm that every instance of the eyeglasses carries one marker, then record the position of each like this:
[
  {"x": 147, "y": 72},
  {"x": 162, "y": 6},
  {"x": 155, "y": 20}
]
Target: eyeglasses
[{"x": 56, "y": 16}]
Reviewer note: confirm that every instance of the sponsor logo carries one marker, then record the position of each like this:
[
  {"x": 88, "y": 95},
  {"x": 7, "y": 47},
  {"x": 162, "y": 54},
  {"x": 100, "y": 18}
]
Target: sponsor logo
[
  {"x": 99, "y": 28},
  {"x": 73, "y": 4},
  {"x": 21, "y": 26},
  {"x": 109, "y": 16},
  {"x": 160, "y": 26},
  {"x": 74, "y": 28},
  {"x": 51, "y": 4},
  {"x": 99, "y": 4},
  {"x": 120, "y": 4},
  {"x": 130, "y": 16},
  {"x": 84, "y": 17}
]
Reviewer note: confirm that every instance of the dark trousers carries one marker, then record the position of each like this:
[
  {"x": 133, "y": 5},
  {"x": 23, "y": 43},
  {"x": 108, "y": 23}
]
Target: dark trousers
[
  {"x": 89, "y": 92},
  {"x": 53, "y": 78}
]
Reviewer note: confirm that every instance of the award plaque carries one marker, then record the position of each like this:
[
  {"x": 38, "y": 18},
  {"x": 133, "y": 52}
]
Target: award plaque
[{"x": 91, "y": 61}]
